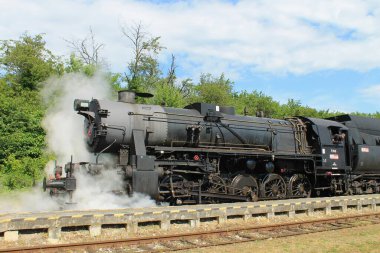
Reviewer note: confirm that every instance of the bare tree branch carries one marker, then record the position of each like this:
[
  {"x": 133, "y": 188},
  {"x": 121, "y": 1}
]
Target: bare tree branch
[
  {"x": 136, "y": 36},
  {"x": 186, "y": 87},
  {"x": 171, "y": 73},
  {"x": 143, "y": 69},
  {"x": 87, "y": 48}
]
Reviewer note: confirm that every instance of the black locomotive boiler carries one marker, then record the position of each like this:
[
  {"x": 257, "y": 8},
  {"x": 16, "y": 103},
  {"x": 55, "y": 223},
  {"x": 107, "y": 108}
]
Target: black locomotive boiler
[{"x": 206, "y": 153}]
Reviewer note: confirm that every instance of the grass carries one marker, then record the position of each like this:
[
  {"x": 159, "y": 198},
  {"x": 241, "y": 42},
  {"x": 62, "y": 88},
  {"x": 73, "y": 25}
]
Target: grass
[{"x": 359, "y": 239}]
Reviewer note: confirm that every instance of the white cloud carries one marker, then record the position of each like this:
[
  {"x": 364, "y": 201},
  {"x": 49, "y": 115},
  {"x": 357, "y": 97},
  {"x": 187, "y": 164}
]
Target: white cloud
[
  {"x": 332, "y": 103},
  {"x": 215, "y": 36},
  {"x": 371, "y": 92}
]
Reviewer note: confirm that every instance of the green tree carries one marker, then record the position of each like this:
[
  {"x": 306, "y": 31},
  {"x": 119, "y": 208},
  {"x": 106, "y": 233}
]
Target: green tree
[
  {"x": 187, "y": 89},
  {"x": 143, "y": 71},
  {"x": 27, "y": 62},
  {"x": 168, "y": 95},
  {"x": 214, "y": 90},
  {"x": 292, "y": 108},
  {"x": 295, "y": 108},
  {"x": 255, "y": 102},
  {"x": 370, "y": 115},
  {"x": 22, "y": 141},
  {"x": 76, "y": 65}
]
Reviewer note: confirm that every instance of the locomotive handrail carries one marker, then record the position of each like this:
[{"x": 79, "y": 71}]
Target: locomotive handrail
[
  {"x": 253, "y": 147},
  {"x": 178, "y": 114},
  {"x": 227, "y": 119},
  {"x": 140, "y": 114},
  {"x": 288, "y": 129},
  {"x": 290, "y": 156},
  {"x": 97, "y": 157},
  {"x": 263, "y": 123},
  {"x": 121, "y": 128},
  {"x": 182, "y": 122}
]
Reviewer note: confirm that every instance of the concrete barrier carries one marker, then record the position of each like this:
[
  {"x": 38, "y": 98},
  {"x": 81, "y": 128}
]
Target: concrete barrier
[{"x": 131, "y": 218}]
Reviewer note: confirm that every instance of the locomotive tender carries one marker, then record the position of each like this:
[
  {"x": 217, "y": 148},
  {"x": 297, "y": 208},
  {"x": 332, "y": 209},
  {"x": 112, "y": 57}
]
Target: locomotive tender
[{"x": 205, "y": 153}]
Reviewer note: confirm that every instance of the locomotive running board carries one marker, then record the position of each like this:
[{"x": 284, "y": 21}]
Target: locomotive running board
[{"x": 221, "y": 196}]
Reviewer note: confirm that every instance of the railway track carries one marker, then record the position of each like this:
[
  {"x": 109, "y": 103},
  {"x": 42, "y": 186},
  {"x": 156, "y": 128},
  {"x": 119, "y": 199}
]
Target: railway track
[{"x": 218, "y": 237}]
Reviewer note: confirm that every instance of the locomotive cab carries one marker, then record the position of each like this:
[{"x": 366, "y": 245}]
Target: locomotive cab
[
  {"x": 331, "y": 144},
  {"x": 332, "y": 154}
]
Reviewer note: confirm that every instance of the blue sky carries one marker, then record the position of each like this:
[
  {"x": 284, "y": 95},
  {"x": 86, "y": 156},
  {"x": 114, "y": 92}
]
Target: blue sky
[{"x": 324, "y": 53}]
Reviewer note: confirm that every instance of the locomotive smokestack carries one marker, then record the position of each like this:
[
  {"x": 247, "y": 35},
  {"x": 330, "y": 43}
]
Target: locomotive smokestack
[{"x": 127, "y": 96}]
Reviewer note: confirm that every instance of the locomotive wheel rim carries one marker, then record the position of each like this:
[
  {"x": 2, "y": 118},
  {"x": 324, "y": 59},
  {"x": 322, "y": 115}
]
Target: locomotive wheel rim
[
  {"x": 248, "y": 188},
  {"x": 273, "y": 187},
  {"x": 165, "y": 186},
  {"x": 217, "y": 185},
  {"x": 214, "y": 184},
  {"x": 299, "y": 186}
]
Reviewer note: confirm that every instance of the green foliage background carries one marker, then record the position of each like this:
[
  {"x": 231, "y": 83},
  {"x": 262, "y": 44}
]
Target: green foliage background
[{"x": 26, "y": 64}]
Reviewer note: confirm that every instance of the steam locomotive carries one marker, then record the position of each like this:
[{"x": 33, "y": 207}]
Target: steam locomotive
[{"x": 205, "y": 153}]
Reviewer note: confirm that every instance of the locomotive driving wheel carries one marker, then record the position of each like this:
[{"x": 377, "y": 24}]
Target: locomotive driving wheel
[
  {"x": 299, "y": 186},
  {"x": 173, "y": 187},
  {"x": 214, "y": 184},
  {"x": 273, "y": 187},
  {"x": 245, "y": 185}
]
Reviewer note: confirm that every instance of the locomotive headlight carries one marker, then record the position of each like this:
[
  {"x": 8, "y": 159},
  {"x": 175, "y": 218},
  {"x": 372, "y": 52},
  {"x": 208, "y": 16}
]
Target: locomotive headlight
[{"x": 81, "y": 105}]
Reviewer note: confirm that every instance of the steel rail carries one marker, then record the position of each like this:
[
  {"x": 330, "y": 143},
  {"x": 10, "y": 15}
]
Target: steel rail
[{"x": 93, "y": 245}]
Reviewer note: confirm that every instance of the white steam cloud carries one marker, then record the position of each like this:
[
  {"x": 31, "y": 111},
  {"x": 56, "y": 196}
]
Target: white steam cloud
[
  {"x": 98, "y": 192},
  {"x": 31, "y": 201},
  {"x": 63, "y": 127},
  {"x": 65, "y": 138}
]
